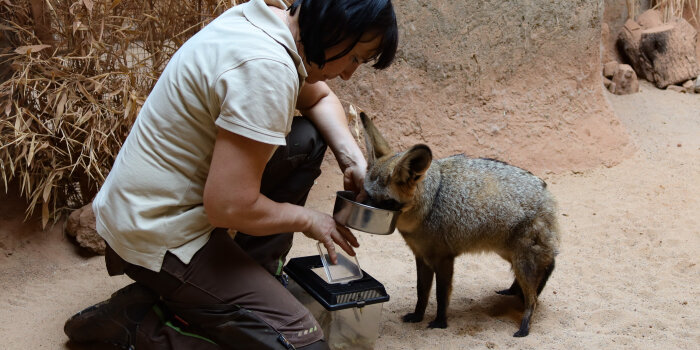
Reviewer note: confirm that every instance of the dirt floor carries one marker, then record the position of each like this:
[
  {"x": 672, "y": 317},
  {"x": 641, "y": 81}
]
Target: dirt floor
[{"x": 627, "y": 276}]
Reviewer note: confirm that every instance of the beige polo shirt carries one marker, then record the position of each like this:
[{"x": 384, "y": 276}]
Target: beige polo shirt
[{"x": 241, "y": 73}]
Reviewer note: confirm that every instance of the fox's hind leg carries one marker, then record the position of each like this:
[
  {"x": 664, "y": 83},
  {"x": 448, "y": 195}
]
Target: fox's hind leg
[
  {"x": 513, "y": 290},
  {"x": 526, "y": 277},
  {"x": 543, "y": 280},
  {"x": 423, "y": 284},
  {"x": 531, "y": 275},
  {"x": 532, "y": 259}
]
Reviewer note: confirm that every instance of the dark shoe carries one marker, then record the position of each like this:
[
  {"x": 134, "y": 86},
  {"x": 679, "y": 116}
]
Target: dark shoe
[{"x": 112, "y": 321}]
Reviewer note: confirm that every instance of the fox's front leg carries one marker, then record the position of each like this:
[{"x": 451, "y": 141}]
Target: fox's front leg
[
  {"x": 444, "y": 269},
  {"x": 423, "y": 285}
]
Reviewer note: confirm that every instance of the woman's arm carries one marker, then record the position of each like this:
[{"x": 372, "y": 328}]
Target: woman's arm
[
  {"x": 232, "y": 197},
  {"x": 322, "y": 106}
]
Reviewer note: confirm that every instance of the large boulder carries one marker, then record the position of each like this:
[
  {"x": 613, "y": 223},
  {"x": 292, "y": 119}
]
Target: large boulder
[{"x": 663, "y": 53}]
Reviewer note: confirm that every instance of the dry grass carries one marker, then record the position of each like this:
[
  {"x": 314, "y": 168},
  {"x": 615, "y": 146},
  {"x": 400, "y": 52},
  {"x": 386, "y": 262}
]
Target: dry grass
[
  {"x": 678, "y": 8},
  {"x": 68, "y": 102}
]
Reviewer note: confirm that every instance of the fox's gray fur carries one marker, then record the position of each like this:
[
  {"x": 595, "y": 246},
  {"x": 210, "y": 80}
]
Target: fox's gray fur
[{"x": 459, "y": 205}]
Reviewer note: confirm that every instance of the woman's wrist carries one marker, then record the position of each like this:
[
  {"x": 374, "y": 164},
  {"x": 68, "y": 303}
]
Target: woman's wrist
[{"x": 347, "y": 159}]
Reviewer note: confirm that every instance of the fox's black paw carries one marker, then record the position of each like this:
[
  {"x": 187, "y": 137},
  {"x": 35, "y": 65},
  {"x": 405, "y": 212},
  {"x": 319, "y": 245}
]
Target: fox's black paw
[
  {"x": 512, "y": 292},
  {"x": 521, "y": 333},
  {"x": 412, "y": 318},
  {"x": 508, "y": 291},
  {"x": 437, "y": 324}
]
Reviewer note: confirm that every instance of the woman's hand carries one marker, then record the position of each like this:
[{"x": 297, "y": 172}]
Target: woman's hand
[
  {"x": 324, "y": 229},
  {"x": 354, "y": 179}
]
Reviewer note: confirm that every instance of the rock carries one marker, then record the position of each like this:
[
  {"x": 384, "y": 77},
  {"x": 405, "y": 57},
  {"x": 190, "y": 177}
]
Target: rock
[
  {"x": 675, "y": 88},
  {"x": 663, "y": 54},
  {"x": 81, "y": 225},
  {"x": 668, "y": 53},
  {"x": 689, "y": 86},
  {"x": 650, "y": 19},
  {"x": 628, "y": 44},
  {"x": 625, "y": 80},
  {"x": 607, "y": 82},
  {"x": 73, "y": 222},
  {"x": 697, "y": 85},
  {"x": 609, "y": 69}
]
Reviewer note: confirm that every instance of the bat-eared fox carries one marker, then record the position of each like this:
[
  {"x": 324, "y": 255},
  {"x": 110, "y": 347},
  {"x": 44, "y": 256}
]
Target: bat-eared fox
[{"x": 459, "y": 205}]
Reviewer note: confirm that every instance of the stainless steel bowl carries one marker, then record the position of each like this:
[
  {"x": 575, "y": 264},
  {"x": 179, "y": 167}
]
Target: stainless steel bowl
[{"x": 363, "y": 217}]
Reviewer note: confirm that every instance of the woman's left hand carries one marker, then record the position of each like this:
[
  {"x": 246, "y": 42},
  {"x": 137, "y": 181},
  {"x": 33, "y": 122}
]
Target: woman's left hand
[{"x": 353, "y": 180}]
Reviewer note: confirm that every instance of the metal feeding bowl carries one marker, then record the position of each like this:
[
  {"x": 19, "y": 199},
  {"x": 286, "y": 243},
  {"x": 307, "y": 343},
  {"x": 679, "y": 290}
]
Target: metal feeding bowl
[{"x": 363, "y": 217}]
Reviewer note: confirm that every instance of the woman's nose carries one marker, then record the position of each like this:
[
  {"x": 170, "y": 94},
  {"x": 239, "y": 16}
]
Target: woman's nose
[{"x": 347, "y": 73}]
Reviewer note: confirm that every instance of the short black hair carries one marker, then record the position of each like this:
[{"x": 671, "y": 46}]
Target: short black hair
[{"x": 326, "y": 23}]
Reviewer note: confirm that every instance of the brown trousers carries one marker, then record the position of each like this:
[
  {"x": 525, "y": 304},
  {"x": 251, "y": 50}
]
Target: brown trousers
[{"x": 227, "y": 297}]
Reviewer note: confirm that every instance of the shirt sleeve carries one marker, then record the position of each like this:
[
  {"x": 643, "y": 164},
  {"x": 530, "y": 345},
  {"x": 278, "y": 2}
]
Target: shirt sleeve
[{"x": 258, "y": 100}]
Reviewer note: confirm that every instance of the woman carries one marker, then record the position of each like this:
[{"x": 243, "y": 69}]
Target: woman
[{"x": 216, "y": 146}]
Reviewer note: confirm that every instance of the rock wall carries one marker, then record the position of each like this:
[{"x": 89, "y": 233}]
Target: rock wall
[{"x": 515, "y": 80}]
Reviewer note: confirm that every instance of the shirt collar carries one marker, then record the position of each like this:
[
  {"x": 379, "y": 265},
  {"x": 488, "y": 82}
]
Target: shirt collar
[{"x": 262, "y": 17}]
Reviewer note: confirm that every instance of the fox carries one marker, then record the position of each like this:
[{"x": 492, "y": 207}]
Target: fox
[{"x": 459, "y": 204}]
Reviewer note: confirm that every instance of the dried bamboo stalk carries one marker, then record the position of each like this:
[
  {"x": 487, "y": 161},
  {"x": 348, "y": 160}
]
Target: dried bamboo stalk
[{"x": 67, "y": 106}]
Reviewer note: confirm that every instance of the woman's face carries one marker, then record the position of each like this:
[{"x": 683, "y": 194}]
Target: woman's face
[{"x": 344, "y": 66}]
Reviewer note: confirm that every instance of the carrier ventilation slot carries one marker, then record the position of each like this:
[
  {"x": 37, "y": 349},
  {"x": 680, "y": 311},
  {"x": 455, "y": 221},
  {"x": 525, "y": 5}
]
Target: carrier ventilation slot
[{"x": 358, "y": 296}]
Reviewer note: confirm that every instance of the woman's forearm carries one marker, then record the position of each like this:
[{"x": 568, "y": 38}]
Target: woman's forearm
[
  {"x": 329, "y": 117},
  {"x": 238, "y": 204},
  {"x": 259, "y": 217}
]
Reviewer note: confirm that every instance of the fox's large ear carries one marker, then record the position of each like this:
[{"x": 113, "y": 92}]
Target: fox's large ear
[
  {"x": 412, "y": 165},
  {"x": 375, "y": 143}
]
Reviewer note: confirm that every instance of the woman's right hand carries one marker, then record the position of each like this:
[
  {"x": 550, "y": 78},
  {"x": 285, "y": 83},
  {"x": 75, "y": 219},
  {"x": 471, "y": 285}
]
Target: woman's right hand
[{"x": 324, "y": 229}]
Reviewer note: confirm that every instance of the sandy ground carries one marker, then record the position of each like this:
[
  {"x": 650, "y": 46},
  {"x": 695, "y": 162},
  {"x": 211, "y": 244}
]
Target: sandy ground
[{"x": 627, "y": 276}]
